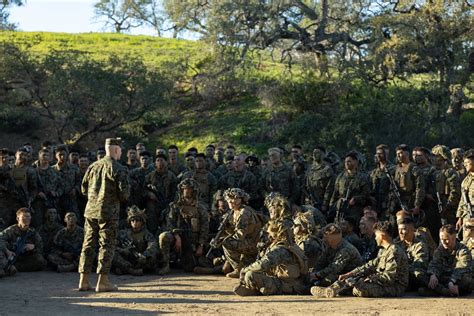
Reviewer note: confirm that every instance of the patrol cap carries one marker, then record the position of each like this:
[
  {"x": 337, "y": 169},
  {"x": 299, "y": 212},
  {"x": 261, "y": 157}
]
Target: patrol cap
[{"x": 113, "y": 141}]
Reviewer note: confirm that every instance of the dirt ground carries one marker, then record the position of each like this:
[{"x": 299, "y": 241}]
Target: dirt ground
[{"x": 53, "y": 294}]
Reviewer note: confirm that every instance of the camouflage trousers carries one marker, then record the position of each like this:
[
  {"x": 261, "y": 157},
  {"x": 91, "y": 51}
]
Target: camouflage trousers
[
  {"x": 30, "y": 262},
  {"x": 124, "y": 262},
  {"x": 102, "y": 233},
  {"x": 239, "y": 253},
  {"x": 185, "y": 259},
  {"x": 369, "y": 289},
  {"x": 57, "y": 260},
  {"x": 465, "y": 285},
  {"x": 272, "y": 285},
  {"x": 3, "y": 262}
]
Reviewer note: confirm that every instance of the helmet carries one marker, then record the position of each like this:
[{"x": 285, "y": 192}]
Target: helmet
[
  {"x": 135, "y": 212},
  {"x": 279, "y": 203},
  {"x": 442, "y": 151},
  {"x": 236, "y": 193}
]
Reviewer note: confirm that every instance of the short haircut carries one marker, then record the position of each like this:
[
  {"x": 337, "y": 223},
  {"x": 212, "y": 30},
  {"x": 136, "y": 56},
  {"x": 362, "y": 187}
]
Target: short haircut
[
  {"x": 469, "y": 154},
  {"x": 44, "y": 151},
  {"x": 173, "y": 147},
  {"x": 61, "y": 148},
  {"x": 332, "y": 229},
  {"x": 83, "y": 156},
  {"x": 353, "y": 155},
  {"x": 383, "y": 227},
  {"x": 201, "y": 155},
  {"x": 46, "y": 143},
  {"x": 192, "y": 149},
  {"x": 403, "y": 147},
  {"x": 402, "y": 213},
  {"x": 371, "y": 219},
  {"x": 131, "y": 149},
  {"x": 297, "y": 146},
  {"x": 161, "y": 156},
  {"x": 23, "y": 210},
  {"x": 188, "y": 154},
  {"x": 449, "y": 228},
  {"x": 406, "y": 221},
  {"x": 211, "y": 145},
  {"x": 320, "y": 147},
  {"x": 145, "y": 153},
  {"x": 424, "y": 150},
  {"x": 231, "y": 147}
]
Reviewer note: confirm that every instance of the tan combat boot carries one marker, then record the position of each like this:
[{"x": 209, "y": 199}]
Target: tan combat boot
[
  {"x": 234, "y": 274},
  {"x": 104, "y": 285},
  {"x": 84, "y": 282}
]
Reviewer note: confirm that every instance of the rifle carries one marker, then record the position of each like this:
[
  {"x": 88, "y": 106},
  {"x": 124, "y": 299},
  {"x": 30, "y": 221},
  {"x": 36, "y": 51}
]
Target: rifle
[
  {"x": 314, "y": 202},
  {"x": 19, "y": 249},
  {"x": 215, "y": 242},
  {"x": 343, "y": 208},
  {"x": 394, "y": 189},
  {"x": 128, "y": 244},
  {"x": 440, "y": 203}
]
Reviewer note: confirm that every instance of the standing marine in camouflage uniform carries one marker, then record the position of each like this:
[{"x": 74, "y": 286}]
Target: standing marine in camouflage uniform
[
  {"x": 353, "y": 187},
  {"x": 304, "y": 230},
  {"x": 71, "y": 183},
  {"x": 457, "y": 162},
  {"x": 25, "y": 177},
  {"x": 187, "y": 228},
  {"x": 173, "y": 162},
  {"x": 280, "y": 178},
  {"x": 9, "y": 198},
  {"x": 338, "y": 256},
  {"x": 137, "y": 181},
  {"x": 211, "y": 163},
  {"x": 386, "y": 275},
  {"x": 466, "y": 205},
  {"x": 417, "y": 251},
  {"x": 67, "y": 245},
  {"x": 31, "y": 257},
  {"x": 450, "y": 270},
  {"x": 380, "y": 184},
  {"x": 448, "y": 184},
  {"x": 469, "y": 240},
  {"x": 319, "y": 183},
  {"x": 137, "y": 248},
  {"x": 240, "y": 178},
  {"x": 282, "y": 270},
  {"x": 207, "y": 182},
  {"x": 132, "y": 161},
  {"x": 106, "y": 185},
  {"x": 161, "y": 189},
  {"x": 240, "y": 244}
]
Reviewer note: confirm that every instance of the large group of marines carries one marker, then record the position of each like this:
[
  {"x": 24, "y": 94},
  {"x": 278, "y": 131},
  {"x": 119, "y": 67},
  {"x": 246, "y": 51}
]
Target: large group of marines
[{"x": 280, "y": 224}]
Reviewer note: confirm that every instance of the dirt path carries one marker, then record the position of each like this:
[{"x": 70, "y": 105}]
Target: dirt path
[{"x": 53, "y": 294}]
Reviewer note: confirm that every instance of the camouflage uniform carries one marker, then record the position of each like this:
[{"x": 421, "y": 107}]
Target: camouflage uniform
[
  {"x": 49, "y": 181},
  {"x": 282, "y": 269},
  {"x": 380, "y": 189},
  {"x": 67, "y": 241},
  {"x": 418, "y": 254},
  {"x": 411, "y": 185},
  {"x": 240, "y": 245},
  {"x": 283, "y": 180},
  {"x": 358, "y": 186},
  {"x": 145, "y": 245},
  {"x": 319, "y": 185},
  {"x": 190, "y": 222},
  {"x": 433, "y": 217},
  {"x": 70, "y": 176},
  {"x": 333, "y": 262},
  {"x": 368, "y": 248},
  {"x": 26, "y": 182},
  {"x": 207, "y": 184},
  {"x": 452, "y": 266},
  {"x": 305, "y": 237},
  {"x": 9, "y": 198},
  {"x": 3, "y": 258},
  {"x": 319, "y": 218},
  {"x": 105, "y": 184},
  {"x": 387, "y": 274},
  {"x": 48, "y": 231},
  {"x": 177, "y": 168},
  {"x": 28, "y": 261},
  {"x": 467, "y": 201},
  {"x": 163, "y": 185},
  {"x": 244, "y": 180},
  {"x": 137, "y": 186}
]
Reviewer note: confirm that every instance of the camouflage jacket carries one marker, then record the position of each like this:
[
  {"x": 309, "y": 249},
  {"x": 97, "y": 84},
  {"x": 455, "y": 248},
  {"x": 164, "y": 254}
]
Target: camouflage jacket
[
  {"x": 357, "y": 185},
  {"x": 207, "y": 183},
  {"x": 26, "y": 178},
  {"x": 285, "y": 262},
  {"x": 368, "y": 248},
  {"x": 190, "y": 220},
  {"x": 13, "y": 233},
  {"x": 448, "y": 185},
  {"x": 466, "y": 203},
  {"x": 319, "y": 218},
  {"x": 49, "y": 181},
  {"x": 48, "y": 231},
  {"x": 418, "y": 255},
  {"x": 144, "y": 241},
  {"x": 70, "y": 176},
  {"x": 319, "y": 184},
  {"x": 244, "y": 225},
  {"x": 106, "y": 185},
  {"x": 69, "y": 241},
  {"x": 243, "y": 180},
  {"x": 7, "y": 184},
  {"x": 281, "y": 179},
  {"x": 177, "y": 168},
  {"x": 470, "y": 245},
  {"x": 311, "y": 246},
  {"x": 164, "y": 185},
  {"x": 380, "y": 187},
  {"x": 452, "y": 264},
  {"x": 411, "y": 184},
  {"x": 337, "y": 261},
  {"x": 389, "y": 268}
]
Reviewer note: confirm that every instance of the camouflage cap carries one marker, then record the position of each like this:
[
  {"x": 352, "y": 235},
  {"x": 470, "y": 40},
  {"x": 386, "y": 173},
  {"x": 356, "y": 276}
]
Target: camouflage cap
[
  {"x": 188, "y": 183},
  {"x": 274, "y": 149},
  {"x": 135, "y": 212},
  {"x": 236, "y": 193},
  {"x": 441, "y": 150},
  {"x": 113, "y": 141}
]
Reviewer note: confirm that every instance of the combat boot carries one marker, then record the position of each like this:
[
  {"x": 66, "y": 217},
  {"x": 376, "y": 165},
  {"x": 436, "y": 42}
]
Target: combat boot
[
  {"x": 135, "y": 272},
  {"x": 242, "y": 290},
  {"x": 234, "y": 274},
  {"x": 165, "y": 269},
  {"x": 84, "y": 282},
  {"x": 227, "y": 267},
  {"x": 104, "y": 285},
  {"x": 66, "y": 268}
]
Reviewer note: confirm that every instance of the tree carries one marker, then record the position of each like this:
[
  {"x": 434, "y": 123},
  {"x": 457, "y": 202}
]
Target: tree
[
  {"x": 4, "y": 14},
  {"x": 119, "y": 14}
]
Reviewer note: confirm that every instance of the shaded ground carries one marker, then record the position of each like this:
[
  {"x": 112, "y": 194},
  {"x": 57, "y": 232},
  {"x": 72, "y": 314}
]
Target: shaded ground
[{"x": 52, "y": 293}]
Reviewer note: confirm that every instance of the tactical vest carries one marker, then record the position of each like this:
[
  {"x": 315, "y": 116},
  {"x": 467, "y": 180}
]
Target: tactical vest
[
  {"x": 190, "y": 214},
  {"x": 20, "y": 176},
  {"x": 404, "y": 179}
]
